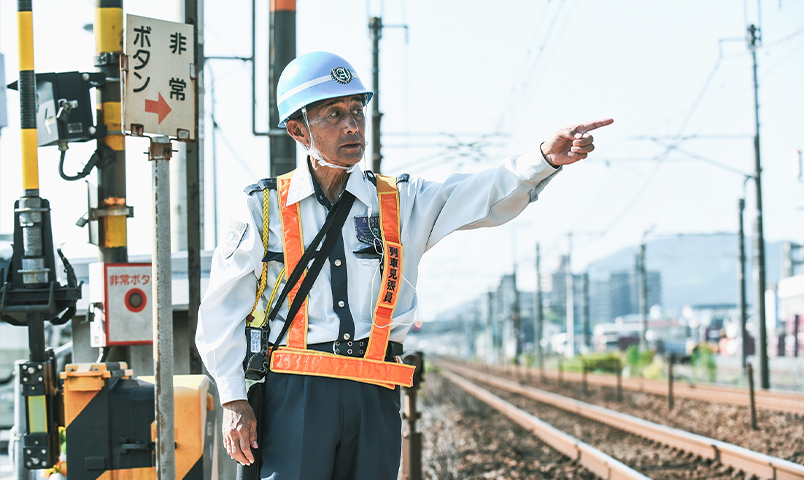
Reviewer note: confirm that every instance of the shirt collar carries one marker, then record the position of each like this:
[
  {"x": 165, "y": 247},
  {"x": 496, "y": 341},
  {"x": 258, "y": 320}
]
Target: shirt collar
[{"x": 301, "y": 185}]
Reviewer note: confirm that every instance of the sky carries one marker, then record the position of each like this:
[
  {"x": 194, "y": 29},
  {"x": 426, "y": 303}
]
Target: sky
[{"x": 463, "y": 84}]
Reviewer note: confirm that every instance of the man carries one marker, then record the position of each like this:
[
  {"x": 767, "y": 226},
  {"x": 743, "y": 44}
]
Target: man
[{"x": 332, "y": 394}]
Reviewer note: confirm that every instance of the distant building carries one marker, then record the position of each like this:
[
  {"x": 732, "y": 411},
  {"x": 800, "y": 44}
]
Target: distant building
[{"x": 624, "y": 292}]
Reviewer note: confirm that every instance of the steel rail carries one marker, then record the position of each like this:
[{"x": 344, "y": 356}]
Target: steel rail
[
  {"x": 750, "y": 462},
  {"x": 597, "y": 462},
  {"x": 787, "y": 402}
]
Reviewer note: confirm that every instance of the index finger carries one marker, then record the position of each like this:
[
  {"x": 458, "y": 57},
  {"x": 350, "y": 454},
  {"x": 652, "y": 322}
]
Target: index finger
[{"x": 589, "y": 126}]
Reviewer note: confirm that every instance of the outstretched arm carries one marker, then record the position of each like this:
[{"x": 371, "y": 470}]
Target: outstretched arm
[{"x": 572, "y": 143}]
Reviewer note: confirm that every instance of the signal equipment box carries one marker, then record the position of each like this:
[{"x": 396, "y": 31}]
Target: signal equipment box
[{"x": 121, "y": 294}]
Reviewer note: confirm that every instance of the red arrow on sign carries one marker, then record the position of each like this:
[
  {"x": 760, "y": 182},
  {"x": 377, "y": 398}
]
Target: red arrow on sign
[{"x": 159, "y": 107}]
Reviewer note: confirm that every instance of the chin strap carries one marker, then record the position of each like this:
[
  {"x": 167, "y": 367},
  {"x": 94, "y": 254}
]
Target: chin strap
[
  {"x": 314, "y": 153},
  {"x": 325, "y": 163}
]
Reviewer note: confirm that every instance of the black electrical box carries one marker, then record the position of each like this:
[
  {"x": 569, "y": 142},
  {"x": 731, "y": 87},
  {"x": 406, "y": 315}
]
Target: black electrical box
[{"x": 64, "y": 107}]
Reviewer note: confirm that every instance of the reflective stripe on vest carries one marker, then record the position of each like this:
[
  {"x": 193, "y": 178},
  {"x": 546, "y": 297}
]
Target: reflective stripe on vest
[
  {"x": 295, "y": 358},
  {"x": 293, "y": 242}
]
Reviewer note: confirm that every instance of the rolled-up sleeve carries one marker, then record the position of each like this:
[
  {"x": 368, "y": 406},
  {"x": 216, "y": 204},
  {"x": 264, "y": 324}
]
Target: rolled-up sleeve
[{"x": 220, "y": 336}]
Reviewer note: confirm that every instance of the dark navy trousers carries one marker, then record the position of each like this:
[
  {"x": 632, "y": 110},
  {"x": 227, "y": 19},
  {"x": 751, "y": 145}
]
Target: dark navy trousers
[{"x": 319, "y": 428}]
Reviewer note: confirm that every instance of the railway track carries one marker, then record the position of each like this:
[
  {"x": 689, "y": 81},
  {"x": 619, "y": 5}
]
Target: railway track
[
  {"x": 786, "y": 402},
  {"x": 661, "y": 451}
]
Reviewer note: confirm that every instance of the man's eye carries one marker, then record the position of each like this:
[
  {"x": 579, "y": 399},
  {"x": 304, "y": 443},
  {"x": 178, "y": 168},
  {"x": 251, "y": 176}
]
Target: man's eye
[{"x": 358, "y": 112}]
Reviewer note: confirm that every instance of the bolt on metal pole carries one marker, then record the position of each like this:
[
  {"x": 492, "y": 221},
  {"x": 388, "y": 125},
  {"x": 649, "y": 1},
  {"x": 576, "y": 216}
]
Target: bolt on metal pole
[{"x": 159, "y": 154}]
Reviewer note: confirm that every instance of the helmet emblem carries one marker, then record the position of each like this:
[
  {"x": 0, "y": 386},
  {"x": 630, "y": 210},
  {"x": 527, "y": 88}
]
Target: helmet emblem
[{"x": 341, "y": 75}]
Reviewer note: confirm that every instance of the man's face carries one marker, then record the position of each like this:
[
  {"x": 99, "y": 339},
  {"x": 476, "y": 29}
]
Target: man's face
[{"x": 338, "y": 128}]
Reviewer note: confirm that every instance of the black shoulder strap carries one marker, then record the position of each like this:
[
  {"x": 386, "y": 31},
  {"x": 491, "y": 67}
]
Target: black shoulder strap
[{"x": 335, "y": 220}]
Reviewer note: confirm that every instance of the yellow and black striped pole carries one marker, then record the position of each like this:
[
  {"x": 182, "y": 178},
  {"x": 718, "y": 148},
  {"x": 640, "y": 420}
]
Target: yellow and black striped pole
[
  {"x": 40, "y": 443},
  {"x": 27, "y": 89},
  {"x": 283, "y": 49},
  {"x": 112, "y": 231}
]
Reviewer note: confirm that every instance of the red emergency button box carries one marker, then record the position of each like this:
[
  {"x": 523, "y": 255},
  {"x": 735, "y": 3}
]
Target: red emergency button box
[{"x": 121, "y": 295}]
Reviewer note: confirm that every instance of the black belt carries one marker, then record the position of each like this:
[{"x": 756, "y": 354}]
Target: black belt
[{"x": 355, "y": 348}]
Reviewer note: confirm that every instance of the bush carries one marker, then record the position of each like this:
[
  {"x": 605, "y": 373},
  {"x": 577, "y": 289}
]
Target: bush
[
  {"x": 703, "y": 361},
  {"x": 637, "y": 360},
  {"x": 608, "y": 362}
]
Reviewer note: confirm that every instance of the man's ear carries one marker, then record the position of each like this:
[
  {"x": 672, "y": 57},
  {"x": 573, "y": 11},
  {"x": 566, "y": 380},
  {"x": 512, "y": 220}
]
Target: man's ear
[{"x": 297, "y": 131}]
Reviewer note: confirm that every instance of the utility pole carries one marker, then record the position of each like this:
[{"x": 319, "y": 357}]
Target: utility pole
[
  {"x": 643, "y": 297},
  {"x": 569, "y": 293},
  {"x": 741, "y": 280},
  {"x": 489, "y": 327},
  {"x": 516, "y": 321},
  {"x": 112, "y": 209},
  {"x": 194, "y": 157},
  {"x": 282, "y": 50},
  {"x": 759, "y": 263},
  {"x": 587, "y": 340},
  {"x": 375, "y": 25},
  {"x": 538, "y": 309}
]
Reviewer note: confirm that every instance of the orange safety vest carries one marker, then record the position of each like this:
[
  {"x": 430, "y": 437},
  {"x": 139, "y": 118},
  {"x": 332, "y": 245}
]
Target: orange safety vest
[{"x": 295, "y": 357}]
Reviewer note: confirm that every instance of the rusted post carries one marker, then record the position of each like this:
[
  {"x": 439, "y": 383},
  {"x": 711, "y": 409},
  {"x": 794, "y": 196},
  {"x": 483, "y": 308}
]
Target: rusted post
[
  {"x": 411, "y": 439},
  {"x": 159, "y": 154},
  {"x": 583, "y": 376},
  {"x": 560, "y": 371},
  {"x": 670, "y": 360},
  {"x": 749, "y": 372},
  {"x": 619, "y": 381}
]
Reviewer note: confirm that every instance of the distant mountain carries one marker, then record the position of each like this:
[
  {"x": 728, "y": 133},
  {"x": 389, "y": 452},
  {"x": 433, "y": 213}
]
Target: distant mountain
[{"x": 695, "y": 270}]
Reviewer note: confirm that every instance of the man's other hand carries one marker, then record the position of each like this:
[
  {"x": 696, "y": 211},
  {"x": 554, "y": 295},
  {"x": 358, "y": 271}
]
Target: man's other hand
[{"x": 239, "y": 431}]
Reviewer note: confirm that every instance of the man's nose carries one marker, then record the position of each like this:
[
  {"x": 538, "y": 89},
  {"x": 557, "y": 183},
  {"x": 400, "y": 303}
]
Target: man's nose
[{"x": 351, "y": 124}]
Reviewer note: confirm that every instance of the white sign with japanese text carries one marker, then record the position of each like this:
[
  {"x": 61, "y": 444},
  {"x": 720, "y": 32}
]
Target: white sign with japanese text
[{"x": 159, "y": 78}]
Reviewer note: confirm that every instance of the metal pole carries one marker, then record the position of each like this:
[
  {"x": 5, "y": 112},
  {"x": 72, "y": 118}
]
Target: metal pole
[
  {"x": 194, "y": 156},
  {"x": 569, "y": 294},
  {"x": 517, "y": 321},
  {"x": 749, "y": 372},
  {"x": 375, "y": 25},
  {"x": 412, "y": 440},
  {"x": 587, "y": 340},
  {"x": 282, "y": 50},
  {"x": 112, "y": 241},
  {"x": 759, "y": 262},
  {"x": 539, "y": 311},
  {"x": 159, "y": 153},
  {"x": 489, "y": 328},
  {"x": 741, "y": 280},
  {"x": 643, "y": 298},
  {"x": 671, "y": 359}
]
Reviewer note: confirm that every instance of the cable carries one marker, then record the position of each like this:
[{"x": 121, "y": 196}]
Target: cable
[
  {"x": 676, "y": 140},
  {"x": 103, "y": 156}
]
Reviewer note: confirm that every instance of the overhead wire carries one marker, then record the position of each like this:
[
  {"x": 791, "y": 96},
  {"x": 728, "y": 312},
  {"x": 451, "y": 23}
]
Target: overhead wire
[
  {"x": 676, "y": 141},
  {"x": 514, "y": 102}
]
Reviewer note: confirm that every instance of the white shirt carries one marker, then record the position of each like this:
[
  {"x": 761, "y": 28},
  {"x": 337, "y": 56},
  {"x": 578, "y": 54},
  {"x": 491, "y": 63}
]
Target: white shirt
[{"x": 428, "y": 212}]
